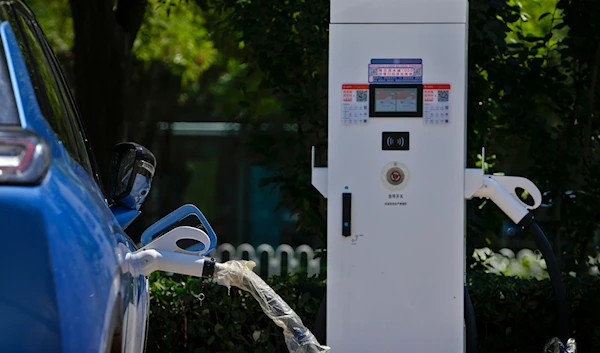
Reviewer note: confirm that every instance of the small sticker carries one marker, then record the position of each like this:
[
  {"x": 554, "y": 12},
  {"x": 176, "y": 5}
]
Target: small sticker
[
  {"x": 396, "y": 71},
  {"x": 436, "y": 104},
  {"x": 355, "y": 104}
]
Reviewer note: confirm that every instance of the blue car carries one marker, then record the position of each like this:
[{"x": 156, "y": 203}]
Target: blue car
[{"x": 63, "y": 287}]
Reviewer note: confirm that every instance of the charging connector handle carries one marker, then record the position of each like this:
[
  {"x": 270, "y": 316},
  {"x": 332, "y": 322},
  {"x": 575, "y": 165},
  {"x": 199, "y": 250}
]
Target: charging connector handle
[
  {"x": 509, "y": 204},
  {"x": 153, "y": 260},
  {"x": 503, "y": 191},
  {"x": 492, "y": 187}
]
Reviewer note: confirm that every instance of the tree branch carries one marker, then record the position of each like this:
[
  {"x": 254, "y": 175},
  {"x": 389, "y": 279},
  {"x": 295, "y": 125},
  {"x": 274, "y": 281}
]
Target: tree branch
[{"x": 130, "y": 15}]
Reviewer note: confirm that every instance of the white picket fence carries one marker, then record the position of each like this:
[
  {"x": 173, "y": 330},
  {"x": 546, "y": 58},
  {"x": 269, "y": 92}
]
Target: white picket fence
[{"x": 275, "y": 259}]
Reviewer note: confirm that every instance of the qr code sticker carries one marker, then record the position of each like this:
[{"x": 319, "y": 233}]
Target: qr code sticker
[
  {"x": 373, "y": 71},
  {"x": 443, "y": 96},
  {"x": 362, "y": 96},
  {"x": 418, "y": 71}
]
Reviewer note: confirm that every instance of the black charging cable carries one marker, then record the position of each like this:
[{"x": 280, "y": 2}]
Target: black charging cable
[
  {"x": 528, "y": 222},
  {"x": 470, "y": 324}
]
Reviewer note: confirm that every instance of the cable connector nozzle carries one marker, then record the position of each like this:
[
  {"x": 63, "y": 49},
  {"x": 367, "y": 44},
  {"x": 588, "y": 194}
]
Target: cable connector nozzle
[
  {"x": 153, "y": 260},
  {"x": 502, "y": 190},
  {"x": 181, "y": 250}
]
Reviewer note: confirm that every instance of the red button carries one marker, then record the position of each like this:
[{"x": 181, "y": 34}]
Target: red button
[{"x": 395, "y": 176}]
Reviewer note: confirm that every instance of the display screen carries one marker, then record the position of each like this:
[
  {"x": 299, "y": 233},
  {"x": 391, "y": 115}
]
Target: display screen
[{"x": 396, "y": 99}]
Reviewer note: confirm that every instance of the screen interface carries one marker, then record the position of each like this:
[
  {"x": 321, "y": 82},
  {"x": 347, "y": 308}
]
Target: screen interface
[{"x": 396, "y": 100}]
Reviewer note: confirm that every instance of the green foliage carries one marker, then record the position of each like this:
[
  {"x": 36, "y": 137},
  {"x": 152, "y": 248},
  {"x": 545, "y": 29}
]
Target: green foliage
[
  {"x": 238, "y": 95},
  {"x": 525, "y": 265},
  {"x": 287, "y": 42},
  {"x": 177, "y": 37},
  {"x": 538, "y": 19},
  {"x": 223, "y": 322},
  {"x": 532, "y": 102},
  {"x": 519, "y": 315},
  {"x": 173, "y": 33},
  {"x": 56, "y": 21}
]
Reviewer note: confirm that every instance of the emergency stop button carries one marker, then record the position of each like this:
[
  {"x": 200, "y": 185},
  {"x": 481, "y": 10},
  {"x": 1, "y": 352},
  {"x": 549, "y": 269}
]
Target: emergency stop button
[{"x": 394, "y": 176}]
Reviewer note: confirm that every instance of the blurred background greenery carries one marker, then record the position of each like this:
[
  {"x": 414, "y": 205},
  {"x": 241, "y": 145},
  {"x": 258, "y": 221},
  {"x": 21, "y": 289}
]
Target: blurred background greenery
[
  {"x": 194, "y": 99},
  {"x": 231, "y": 94}
]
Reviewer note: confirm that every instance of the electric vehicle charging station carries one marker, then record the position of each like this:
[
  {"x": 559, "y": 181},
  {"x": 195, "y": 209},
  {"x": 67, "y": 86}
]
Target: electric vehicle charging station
[
  {"x": 395, "y": 175},
  {"x": 397, "y": 180}
]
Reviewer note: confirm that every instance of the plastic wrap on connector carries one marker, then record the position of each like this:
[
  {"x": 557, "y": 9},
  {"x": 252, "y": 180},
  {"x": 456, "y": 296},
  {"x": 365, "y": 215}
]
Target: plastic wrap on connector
[
  {"x": 298, "y": 338},
  {"x": 555, "y": 345}
]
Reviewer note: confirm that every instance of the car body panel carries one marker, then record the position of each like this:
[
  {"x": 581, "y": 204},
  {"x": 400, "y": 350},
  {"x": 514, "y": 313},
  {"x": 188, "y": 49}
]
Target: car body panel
[
  {"x": 28, "y": 297},
  {"x": 75, "y": 283}
]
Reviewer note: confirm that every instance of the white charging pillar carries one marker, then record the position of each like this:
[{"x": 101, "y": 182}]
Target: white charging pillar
[{"x": 395, "y": 176}]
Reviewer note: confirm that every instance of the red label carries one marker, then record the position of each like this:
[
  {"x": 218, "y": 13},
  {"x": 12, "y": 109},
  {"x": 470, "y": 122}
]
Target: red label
[
  {"x": 355, "y": 86},
  {"x": 436, "y": 87}
]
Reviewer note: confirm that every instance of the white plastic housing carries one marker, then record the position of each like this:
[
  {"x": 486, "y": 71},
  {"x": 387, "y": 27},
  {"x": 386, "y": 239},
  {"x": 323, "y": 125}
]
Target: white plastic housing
[
  {"x": 399, "y": 11},
  {"x": 396, "y": 284},
  {"x": 169, "y": 240}
]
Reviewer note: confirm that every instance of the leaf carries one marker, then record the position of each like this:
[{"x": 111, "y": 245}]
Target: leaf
[
  {"x": 560, "y": 25},
  {"x": 543, "y": 15}
]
